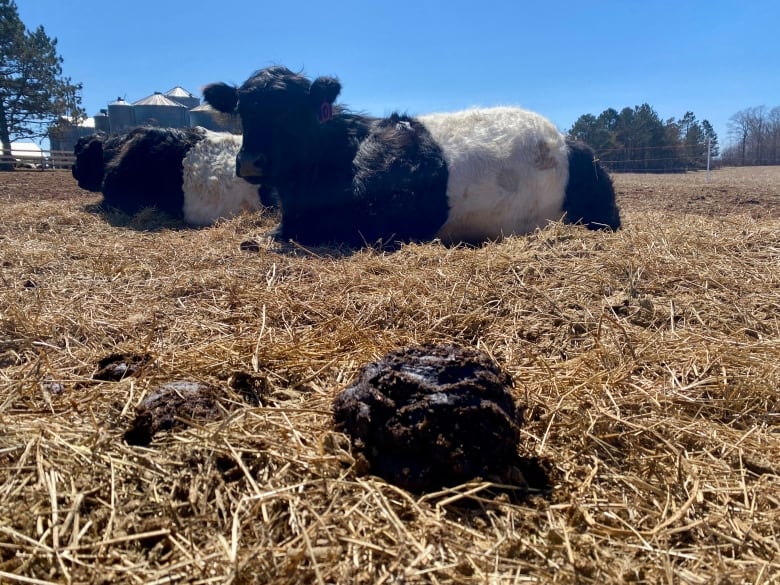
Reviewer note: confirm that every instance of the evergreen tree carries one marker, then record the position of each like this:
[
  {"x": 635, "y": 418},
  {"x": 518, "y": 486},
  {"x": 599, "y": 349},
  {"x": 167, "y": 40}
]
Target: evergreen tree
[
  {"x": 33, "y": 92},
  {"x": 641, "y": 134},
  {"x": 636, "y": 139},
  {"x": 599, "y": 132},
  {"x": 712, "y": 137},
  {"x": 693, "y": 143},
  {"x": 590, "y": 130}
]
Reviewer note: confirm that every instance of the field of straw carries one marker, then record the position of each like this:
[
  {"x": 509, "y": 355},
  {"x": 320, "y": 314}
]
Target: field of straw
[{"x": 647, "y": 360}]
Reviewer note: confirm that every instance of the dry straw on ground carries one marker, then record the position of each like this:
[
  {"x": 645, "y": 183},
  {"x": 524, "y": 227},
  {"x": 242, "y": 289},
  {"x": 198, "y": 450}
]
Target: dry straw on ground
[{"x": 649, "y": 361}]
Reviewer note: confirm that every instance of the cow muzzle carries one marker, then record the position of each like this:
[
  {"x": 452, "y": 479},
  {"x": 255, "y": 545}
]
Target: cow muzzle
[{"x": 250, "y": 166}]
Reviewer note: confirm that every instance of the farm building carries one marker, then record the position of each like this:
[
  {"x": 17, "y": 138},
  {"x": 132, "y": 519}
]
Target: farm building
[
  {"x": 175, "y": 108},
  {"x": 182, "y": 96},
  {"x": 27, "y": 154},
  {"x": 159, "y": 110}
]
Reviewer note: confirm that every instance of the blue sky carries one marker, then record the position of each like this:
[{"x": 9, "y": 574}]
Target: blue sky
[{"x": 562, "y": 59}]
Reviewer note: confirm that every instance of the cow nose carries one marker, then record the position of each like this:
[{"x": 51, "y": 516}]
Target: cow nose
[{"x": 249, "y": 165}]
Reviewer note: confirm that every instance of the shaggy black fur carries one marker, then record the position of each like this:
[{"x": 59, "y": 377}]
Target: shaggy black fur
[
  {"x": 147, "y": 170},
  {"x": 590, "y": 196},
  {"x": 346, "y": 179},
  {"x": 92, "y": 153}
]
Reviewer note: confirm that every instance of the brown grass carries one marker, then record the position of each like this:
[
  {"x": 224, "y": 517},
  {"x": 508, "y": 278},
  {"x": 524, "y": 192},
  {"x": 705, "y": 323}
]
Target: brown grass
[{"x": 649, "y": 360}]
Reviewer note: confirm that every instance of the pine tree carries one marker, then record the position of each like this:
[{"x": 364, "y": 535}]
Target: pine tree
[
  {"x": 711, "y": 136},
  {"x": 33, "y": 92}
]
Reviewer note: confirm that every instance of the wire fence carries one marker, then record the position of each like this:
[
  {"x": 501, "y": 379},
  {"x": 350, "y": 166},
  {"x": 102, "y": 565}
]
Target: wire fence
[
  {"x": 678, "y": 158},
  {"x": 653, "y": 159}
]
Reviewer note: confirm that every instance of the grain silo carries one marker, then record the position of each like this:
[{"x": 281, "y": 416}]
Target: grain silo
[
  {"x": 181, "y": 95},
  {"x": 158, "y": 110},
  {"x": 120, "y": 116},
  {"x": 206, "y": 116},
  {"x": 102, "y": 123}
]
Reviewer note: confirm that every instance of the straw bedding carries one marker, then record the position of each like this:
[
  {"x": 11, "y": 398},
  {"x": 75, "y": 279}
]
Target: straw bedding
[{"x": 646, "y": 363}]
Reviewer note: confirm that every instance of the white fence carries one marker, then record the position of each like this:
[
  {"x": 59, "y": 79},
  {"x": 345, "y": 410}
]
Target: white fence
[{"x": 45, "y": 160}]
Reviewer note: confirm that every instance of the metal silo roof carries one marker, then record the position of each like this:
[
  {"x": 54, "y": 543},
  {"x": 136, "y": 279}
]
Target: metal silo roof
[
  {"x": 178, "y": 92},
  {"x": 157, "y": 99}
]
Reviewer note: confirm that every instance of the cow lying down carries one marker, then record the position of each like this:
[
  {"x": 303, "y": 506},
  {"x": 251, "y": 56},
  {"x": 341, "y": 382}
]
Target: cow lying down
[
  {"x": 187, "y": 173},
  {"x": 467, "y": 176}
]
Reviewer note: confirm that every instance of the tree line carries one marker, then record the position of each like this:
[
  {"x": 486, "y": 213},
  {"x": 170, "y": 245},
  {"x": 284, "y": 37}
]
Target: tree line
[
  {"x": 637, "y": 140},
  {"x": 755, "y": 135}
]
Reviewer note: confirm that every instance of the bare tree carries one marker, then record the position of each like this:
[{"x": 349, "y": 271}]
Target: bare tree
[
  {"x": 739, "y": 130},
  {"x": 756, "y": 137},
  {"x": 773, "y": 133},
  {"x": 757, "y": 123}
]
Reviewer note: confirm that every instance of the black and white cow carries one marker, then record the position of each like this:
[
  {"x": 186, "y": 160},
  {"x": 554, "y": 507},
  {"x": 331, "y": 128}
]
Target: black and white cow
[
  {"x": 212, "y": 189},
  {"x": 466, "y": 176},
  {"x": 187, "y": 173}
]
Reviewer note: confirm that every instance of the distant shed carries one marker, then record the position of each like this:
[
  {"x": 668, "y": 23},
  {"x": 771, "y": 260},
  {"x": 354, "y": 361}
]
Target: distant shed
[
  {"x": 27, "y": 154},
  {"x": 26, "y": 150},
  {"x": 64, "y": 134}
]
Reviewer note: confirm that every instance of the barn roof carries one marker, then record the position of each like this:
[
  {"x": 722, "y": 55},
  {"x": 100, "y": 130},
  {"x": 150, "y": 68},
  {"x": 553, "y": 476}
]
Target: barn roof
[
  {"x": 85, "y": 123},
  {"x": 25, "y": 149},
  {"x": 157, "y": 99}
]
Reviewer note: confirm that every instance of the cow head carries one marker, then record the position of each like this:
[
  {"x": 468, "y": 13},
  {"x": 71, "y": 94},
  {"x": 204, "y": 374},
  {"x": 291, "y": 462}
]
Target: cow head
[
  {"x": 280, "y": 113},
  {"x": 88, "y": 167}
]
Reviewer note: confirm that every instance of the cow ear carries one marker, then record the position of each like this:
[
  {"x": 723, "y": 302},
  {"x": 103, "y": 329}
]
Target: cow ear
[
  {"x": 323, "y": 93},
  {"x": 324, "y": 90},
  {"x": 221, "y": 96}
]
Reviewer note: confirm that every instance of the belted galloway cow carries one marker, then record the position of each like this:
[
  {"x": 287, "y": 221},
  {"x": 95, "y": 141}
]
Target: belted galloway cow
[{"x": 468, "y": 176}]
